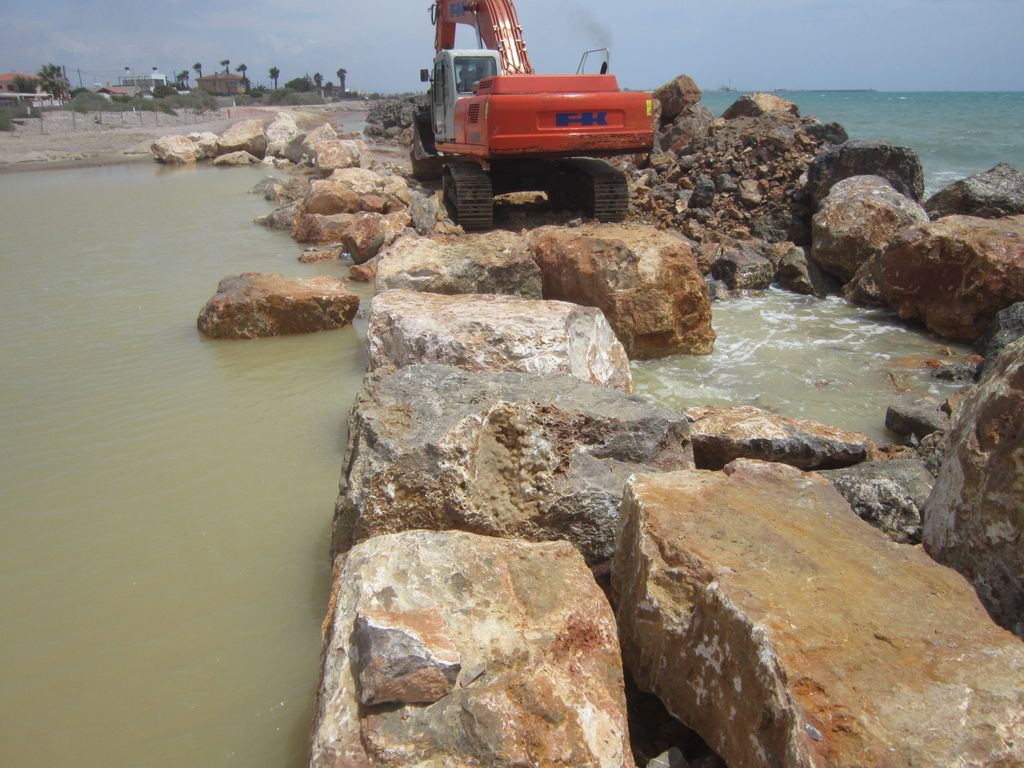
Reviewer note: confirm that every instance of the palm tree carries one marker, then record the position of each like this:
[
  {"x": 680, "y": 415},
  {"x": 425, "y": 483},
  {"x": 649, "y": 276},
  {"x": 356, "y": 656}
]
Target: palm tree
[
  {"x": 274, "y": 74},
  {"x": 245, "y": 80},
  {"x": 51, "y": 77},
  {"x": 226, "y": 64},
  {"x": 198, "y": 67},
  {"x": 183, "y": 78},
  {"x": 341, "y": 79},
  {"x": 318, "y": 79}
]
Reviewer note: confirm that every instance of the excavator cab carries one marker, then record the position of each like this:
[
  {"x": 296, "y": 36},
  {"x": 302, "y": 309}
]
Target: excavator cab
[{"x": 456, "y": 74}]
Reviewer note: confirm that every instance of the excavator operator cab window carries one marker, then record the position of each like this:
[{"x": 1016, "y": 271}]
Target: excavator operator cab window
[{"x": 469, "y": 70}]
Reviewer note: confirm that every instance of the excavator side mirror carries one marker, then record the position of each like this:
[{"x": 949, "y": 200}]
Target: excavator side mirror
[{"x": 424, "y": 75}]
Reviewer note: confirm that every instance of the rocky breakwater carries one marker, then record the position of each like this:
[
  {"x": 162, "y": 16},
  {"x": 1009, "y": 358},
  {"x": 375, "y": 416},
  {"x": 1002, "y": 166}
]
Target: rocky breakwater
[
  {"x": 253, "y": 305},
  {"x": 786, "y": 631}
]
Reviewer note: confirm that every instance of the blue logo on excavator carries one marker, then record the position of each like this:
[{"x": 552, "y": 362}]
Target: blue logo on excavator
[{"x": 582, "y": 119}]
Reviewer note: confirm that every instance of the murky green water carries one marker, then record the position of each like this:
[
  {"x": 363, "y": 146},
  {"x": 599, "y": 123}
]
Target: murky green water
[
  {"x": 166, "y": 499},
  {"x": 166, "y": 504}
]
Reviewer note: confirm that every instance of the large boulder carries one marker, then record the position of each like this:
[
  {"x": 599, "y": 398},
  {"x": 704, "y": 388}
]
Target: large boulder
[
  {"x": 176, "y": 150},
  {"x": 207, "y": 142},
  {"x": 361, "y": 235},
  {"x": 856, "y": 222},
  {"x": 787, "y": 632},
  {"x": 722, "y": 434},
  {"x": 900, "y": 166},
  {"x": 757, "y": 104},
  {"x": 494, "y": 262},
  {"x": 797, "y": 273},
  {"x": 739, "y": 264},
  {"x": 232, "y": 159},
  {"x": 645, "y": 282},
  {"x": 496, "y": 333},
  {"x": 301, "y": 150},
  {"x": 502, "y": 454},
  {"x": 327, "y": 197},
  {"x": 888, "y": 494},
  {"x": 955, "y": 274},
  {"x": 993, "y": 194},
  {"x": 335, "y": 154},
  {"x": 252, "y": 305},
  {"x": 974, "y": 518},
  {"x": 447, "y": 649},
  {"x": 689, "y": 126},
  {"x": 245, "y": 136},
  {"x": 279, "y": 133},
  {"x": 282, "y": 217},
  {"x": 391, "y": 188},
  {"x": 675, "y": 96}
]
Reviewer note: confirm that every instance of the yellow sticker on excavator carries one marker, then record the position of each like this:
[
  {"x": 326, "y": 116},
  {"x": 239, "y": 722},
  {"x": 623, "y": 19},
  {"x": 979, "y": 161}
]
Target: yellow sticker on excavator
[{"x": 650, "y": 107}]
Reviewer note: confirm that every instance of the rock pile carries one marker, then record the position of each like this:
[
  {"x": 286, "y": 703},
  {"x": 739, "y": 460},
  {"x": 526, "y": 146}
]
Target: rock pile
[
  {"x": 740, "y": 175},
  {"x": 391, "y": 119}
]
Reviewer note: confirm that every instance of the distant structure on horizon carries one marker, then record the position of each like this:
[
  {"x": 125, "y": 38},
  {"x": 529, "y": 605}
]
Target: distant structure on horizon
[{"x": 222, "y": 84}]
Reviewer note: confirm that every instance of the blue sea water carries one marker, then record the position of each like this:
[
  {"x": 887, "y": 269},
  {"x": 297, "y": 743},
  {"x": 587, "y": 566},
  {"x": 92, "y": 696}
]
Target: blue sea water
[{"x": 954, "y": 133}]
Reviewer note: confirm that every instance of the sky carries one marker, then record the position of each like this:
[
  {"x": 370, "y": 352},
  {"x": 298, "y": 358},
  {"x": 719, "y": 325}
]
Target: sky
[{"x": 891, "y": 45}]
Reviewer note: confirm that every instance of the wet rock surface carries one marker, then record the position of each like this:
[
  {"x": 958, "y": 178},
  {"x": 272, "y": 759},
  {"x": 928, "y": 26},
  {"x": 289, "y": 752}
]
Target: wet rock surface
[
  {"x": 974, "y": 518},
  {"x": 887, "y": 494},
  {"x": 495, "y": 262},
  {"x": 502, "y": 454},
  {"x": 1007, "y": 327},
  {"x": 176, "y": 150},
  {"x": 723, "y": 434},
  {"x": 253, "y": 305},
  {"x": 539, "y": 680},
  {"x": 646, "y": 283},
  {"x": 920, "y": 418},
  {"x": 496, "y": 333},
  {"x": 763, "y": 612},
  {"x": 857, "y": 221},
  {"x": 955, "y": 274},
  {"x": 993, "y": 194}
]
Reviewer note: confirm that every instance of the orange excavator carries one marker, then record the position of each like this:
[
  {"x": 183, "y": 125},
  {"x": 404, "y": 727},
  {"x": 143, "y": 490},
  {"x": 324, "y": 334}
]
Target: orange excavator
[{"x": 494, "y": 126}]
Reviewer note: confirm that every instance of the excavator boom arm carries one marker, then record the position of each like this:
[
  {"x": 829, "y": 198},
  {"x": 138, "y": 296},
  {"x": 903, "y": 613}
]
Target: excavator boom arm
[{"x": 497, "y": 23}]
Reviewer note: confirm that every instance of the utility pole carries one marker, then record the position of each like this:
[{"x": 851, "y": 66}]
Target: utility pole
[{"x": 79, "y": 69}]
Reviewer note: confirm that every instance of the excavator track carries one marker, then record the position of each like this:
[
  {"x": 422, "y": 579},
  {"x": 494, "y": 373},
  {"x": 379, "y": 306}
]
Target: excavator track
[
  {"x": 467, "y": 187},
  {"x": 602, "y": 192}
]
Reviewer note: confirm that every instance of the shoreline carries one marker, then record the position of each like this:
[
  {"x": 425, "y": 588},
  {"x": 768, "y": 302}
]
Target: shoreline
[{"x": 69, "y": 148}]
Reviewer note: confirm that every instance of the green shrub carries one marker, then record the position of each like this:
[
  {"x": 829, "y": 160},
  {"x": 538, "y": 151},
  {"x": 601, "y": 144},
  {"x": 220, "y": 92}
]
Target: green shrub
[
  {"x": 89, "y": 102},
  {"x": 6, "y": 123},
  {"x": 163, "y": 91},
  {"x": 289, "y": 98}
]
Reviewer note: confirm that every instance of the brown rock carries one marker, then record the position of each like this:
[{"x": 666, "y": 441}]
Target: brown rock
[
  {"x": 235, "y": 159},
  {"x": 495, "y": 333},
  {"x": 333, "y": 154},
  {"x": 363, "y": 236},
  {"x": 955, "y": 274},
  {"x": 676, "y": 95},
  {"x": 365, "y": 272},
  {"x": 494, "y": 262},
  {"x": 327, "y": 197},
  {"x": 320, "y": 230},
  {"x": 857, "y": 221},
  {"x": 541, "y": 680},
  {"x": 280, "y": 218},
  {"x": 788, "y": 632},
  {"x": 176, "y": 150},
  {"x": 252, "y": 305},
  {"x": 974, "y": 518},
  {"x": 244, "y": 136},
  {"x": 757, "y": 104},
  {"x": 645, "y": 282},
  {"x": 721, "y": 435}
]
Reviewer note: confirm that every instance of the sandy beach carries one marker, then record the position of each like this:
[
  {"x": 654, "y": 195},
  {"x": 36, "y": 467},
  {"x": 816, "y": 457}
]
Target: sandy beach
[{"x": 72, "y": 140}]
